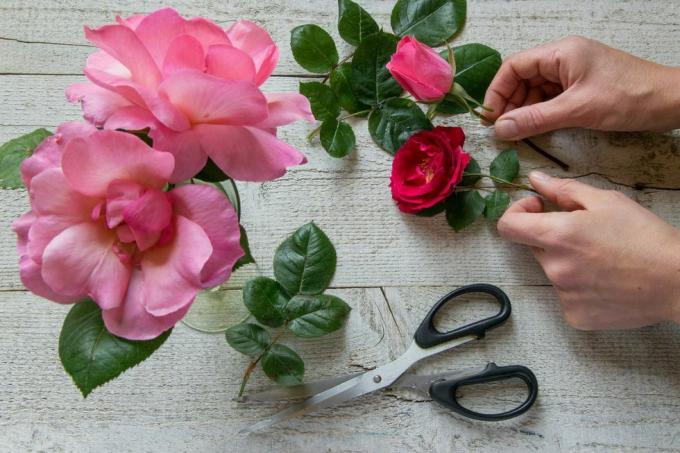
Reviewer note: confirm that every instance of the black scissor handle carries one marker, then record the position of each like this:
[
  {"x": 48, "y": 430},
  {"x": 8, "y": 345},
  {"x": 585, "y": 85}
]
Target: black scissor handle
[
  {"x": 444, "y": 392},
  {"x": 427, "y": 335}
]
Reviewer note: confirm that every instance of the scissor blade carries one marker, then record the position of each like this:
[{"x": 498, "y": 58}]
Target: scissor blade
[
  {"x": 298, "y": 391},
  {"x": 340, "y": 393},
  {"x": 368, "y": 382}
]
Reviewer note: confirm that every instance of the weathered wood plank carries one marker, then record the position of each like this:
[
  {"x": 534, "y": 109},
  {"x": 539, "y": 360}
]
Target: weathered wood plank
[
  {"x": 48, "y": 39},
  {"x": 625, "y": 158},
  {"x": 615, "y": 390},
  {"x": 376, "y": 244},
  {"x": 599, "y": 391}
]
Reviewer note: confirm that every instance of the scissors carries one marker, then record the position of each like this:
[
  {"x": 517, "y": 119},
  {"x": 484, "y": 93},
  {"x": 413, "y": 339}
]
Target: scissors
[{"x": 441, "y": 388}]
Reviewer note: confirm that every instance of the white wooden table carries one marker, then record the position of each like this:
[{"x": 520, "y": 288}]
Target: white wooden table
[{"x": 599, "y": 391}]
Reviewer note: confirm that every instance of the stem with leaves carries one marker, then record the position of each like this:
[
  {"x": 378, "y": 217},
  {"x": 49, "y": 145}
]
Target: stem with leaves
[
  {"x": 503, "y": 182},
  {"x": 316, "y": 130},
  {"x": 253, "y": 364},
  {"x": 344, "y": 60}
]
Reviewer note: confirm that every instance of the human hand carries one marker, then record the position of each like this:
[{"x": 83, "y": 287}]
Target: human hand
[
  {"x": 614, "y": 264},
  {"x": 578, "y": 82}
]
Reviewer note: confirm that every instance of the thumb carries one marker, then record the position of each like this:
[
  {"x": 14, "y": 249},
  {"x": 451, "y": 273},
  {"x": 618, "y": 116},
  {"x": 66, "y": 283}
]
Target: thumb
[
  {"x": 536, "y": 119},
  {"x": 568, "y": 194}
]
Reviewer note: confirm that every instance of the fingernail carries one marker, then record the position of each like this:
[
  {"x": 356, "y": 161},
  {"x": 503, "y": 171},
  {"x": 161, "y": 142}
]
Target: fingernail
[
  {"x": 539, "y": 176},
  {"x": 507, "y": 128}
]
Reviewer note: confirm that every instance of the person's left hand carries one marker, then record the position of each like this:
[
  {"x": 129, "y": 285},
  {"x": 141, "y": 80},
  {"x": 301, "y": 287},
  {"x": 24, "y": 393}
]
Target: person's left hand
[{"x": 614, "y": 264}]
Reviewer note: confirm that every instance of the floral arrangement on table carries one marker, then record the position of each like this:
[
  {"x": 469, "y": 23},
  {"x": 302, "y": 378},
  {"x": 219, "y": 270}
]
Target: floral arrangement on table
[
  {"x": 431, "y": 172},
  {"x": 129, "y": 218},
  {"x": 134, "y": 211}
]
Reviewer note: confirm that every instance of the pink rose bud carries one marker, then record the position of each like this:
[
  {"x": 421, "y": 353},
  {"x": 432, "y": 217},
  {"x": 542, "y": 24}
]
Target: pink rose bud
[{"x": 420, "y": 70}]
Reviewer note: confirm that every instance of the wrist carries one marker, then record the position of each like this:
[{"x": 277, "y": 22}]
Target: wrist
[
  {"x": 672, "y": 281},
  {"x": 664, "y": 101}
]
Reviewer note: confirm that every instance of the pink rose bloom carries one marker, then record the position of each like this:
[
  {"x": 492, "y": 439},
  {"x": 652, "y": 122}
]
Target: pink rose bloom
[
  {"x": 420, "y": 70},
  {"x": 196, "y": 86},
  {"x": 102, "y": 226}
]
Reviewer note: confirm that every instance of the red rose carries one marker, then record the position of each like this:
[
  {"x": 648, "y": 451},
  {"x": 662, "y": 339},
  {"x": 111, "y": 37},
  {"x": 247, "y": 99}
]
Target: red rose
[{"x": 427, "y": 168}]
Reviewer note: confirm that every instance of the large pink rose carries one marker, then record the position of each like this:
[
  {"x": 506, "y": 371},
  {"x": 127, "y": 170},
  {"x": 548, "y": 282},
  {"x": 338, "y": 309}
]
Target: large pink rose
[
  {"x": 196, "y": 86},
  {"x": 420, "y": 70},
  {"x": 102, "y": 226}
]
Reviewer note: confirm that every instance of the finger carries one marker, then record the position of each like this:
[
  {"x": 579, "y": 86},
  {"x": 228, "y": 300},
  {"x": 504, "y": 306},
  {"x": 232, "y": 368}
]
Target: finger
[
  {"x": 526, "y": 205},
  {"x": 568, "y": 194},
  {"x": 557, "y": 113},
  {"x": 551, "y": 90},
  {"x": 525, "y": 223},
  {"x": 519, "y": 95},
  {"x": 534, "y": 96},
  {"x": 525, "y": 65}
]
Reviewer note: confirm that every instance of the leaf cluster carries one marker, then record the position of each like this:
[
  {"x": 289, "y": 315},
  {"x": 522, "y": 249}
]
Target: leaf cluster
[{"x": 294, "y": 301}]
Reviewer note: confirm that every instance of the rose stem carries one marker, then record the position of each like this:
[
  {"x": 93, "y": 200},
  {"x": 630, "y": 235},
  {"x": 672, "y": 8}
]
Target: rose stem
[
  {"x": 503, "y": 181},
  {"x": 311, "y": 135},
  {"x": 251, "y": 366},
  {"x": 563, "y": 165},
  {"x": 325, "y": 79}
]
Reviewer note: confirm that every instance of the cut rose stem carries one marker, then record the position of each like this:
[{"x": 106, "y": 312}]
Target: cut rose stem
[
  {"x": 251, "y": 366},
  {"x": 560, "y": 163}
]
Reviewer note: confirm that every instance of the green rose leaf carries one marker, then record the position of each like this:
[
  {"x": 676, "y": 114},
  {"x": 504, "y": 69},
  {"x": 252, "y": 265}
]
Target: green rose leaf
[
  {"x": 249, "y": 339},
  {"x": 337, "y": 138},
  {"x": 247, "y": 258},
  {"x": 313, "y": 48},
  {"x": 496, "y": 204},
  {"x": 324, "y": 103},
  {"x": 505, "y": 166},
  {"x": 314, "y": 316},
  {"x": 92, "y": 355},
  {"x": 476, "y": 66},
  {"x": 354, "y": 23},
  {"x": 283, "y": 365},
  {"x": 432, "y": 22},
  {"x": 394, "y": 121},
  {"x": 305, "y": 262},
  {"x": 13, "y": 153},
  {"x": 474, "y": 169},
  {"x": 463, "y": 208},
  {"x": 211, "y": 173},
  {"x": 371, "y": 81},
  {"x": 433, "y": 211},
  {"x": 341, "y": 84},
  {"x": 265, "y": 299}
]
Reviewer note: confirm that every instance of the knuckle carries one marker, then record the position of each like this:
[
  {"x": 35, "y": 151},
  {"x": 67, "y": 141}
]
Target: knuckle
[
  {"x": 614, "y": 196},
  {"x": 562, "y": 275},
  {"x": 566, "y": 190},
  {"x": 534, "y": 118},
  {"x": 557, "y": 237},
  {"x": 576, "y": 41}
]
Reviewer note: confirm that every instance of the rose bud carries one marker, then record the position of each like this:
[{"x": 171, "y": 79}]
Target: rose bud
[
  {"x": 420, "y": 70},
  {"x": 427, "y": 168}
]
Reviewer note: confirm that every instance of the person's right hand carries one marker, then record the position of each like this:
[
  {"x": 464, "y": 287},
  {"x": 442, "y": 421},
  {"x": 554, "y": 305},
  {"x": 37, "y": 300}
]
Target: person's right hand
[{"x": 578, "y": 82}]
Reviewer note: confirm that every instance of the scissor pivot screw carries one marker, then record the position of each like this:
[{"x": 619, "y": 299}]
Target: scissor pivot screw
[{"x": 377, "y": 378}]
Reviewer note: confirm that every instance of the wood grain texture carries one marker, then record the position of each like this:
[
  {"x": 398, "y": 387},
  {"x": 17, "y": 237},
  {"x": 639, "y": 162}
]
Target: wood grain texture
[
  {"x": 49, "y": 39},
  {"x": 599, "y": 392}
]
